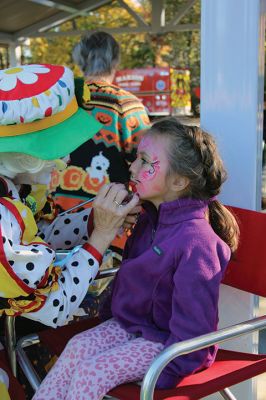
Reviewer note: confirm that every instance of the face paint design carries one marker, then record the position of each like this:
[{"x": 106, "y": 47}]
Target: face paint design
[
  {"x": 149, "y": 169},
  {"x": 154, "y": 168},
  {"x": 149, "y": 159}
]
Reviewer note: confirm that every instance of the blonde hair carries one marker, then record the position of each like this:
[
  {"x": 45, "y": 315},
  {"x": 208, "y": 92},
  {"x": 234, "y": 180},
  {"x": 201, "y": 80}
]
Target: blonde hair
[{"x": 12, "y": 164}]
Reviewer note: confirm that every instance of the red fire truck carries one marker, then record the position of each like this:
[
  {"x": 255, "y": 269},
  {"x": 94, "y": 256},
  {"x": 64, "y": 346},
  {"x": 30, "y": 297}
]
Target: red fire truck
[{"x": 163, "y": 90}]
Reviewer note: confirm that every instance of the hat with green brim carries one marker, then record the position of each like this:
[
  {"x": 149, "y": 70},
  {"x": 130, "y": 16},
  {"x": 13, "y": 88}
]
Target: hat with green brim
[{"x": 39, "y": 114}]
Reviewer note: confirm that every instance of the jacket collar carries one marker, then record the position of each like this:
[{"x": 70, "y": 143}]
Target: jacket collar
[{"x": 176, "y": 211}]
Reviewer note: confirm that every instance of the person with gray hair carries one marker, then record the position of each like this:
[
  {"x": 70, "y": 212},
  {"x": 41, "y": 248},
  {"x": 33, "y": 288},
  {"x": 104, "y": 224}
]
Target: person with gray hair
[
  {"x": 97, "y": 55},
  {"x": 107, "y": 156}
]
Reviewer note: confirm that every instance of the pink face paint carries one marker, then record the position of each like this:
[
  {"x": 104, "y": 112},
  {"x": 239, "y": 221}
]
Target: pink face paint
[
  {"x": 154, "y": 168},
  {"x": 149, "y": 170},
  {"x": 149, "y": 147}
]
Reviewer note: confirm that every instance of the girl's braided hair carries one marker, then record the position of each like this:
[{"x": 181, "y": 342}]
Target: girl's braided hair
[{"x": 193, "y": 153}]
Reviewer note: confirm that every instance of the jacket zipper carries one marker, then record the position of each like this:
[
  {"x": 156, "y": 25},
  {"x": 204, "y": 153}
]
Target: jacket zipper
[{"x": 153, "y": 234}]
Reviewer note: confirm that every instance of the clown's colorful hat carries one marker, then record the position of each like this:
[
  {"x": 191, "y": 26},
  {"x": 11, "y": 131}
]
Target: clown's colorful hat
[{"x": 39, "y": 114}]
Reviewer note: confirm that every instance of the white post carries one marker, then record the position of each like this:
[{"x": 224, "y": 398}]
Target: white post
[
  {"x": 14, "y": 54},
  {"x": 232, "y": 84}
]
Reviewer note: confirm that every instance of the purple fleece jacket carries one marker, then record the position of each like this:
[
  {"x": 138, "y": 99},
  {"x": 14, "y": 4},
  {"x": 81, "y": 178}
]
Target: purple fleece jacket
[{"x": 167, "y": 288}]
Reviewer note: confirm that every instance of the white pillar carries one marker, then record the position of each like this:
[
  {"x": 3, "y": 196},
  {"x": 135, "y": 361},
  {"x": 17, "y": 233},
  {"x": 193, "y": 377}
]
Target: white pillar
[
  {"x": 232, "y": 84},
  {"x": 14, "y": 54}
]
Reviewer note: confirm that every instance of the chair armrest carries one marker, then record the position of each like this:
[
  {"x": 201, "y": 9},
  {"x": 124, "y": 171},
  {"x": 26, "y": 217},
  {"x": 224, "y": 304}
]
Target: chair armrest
[
  {"x": 105, "y": 273},
  {"x": 188, "y": 346}
]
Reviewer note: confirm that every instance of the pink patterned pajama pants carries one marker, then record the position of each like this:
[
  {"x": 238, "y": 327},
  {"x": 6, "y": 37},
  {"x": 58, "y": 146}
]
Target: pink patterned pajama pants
[{"x": 97, "y": 360}]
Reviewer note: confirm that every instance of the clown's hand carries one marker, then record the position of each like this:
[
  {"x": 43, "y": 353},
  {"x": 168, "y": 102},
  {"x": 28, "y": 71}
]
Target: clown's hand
[
  {"x": 4, "y": 384},
  {"x": 132, "y": 217},
  {"x": 109, "y": 214},
  {"x": 110, "y": 211}
]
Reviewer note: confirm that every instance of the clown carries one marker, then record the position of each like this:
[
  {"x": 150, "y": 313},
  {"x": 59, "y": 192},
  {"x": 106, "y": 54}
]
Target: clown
[{"x": 40, "y": 123}]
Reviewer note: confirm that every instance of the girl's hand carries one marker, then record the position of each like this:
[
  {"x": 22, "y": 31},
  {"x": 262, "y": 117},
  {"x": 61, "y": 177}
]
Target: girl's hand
[{"x": 109, "y": 214}]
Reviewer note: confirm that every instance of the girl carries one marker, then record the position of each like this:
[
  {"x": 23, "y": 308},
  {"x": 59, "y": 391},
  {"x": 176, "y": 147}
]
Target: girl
[{"x": 168, "y": 285}]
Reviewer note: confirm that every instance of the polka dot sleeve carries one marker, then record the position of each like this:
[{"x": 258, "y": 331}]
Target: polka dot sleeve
[
  {"x": 28, "y": 262},
  {"x": 77, "y": 274},
  {"x": 67, "y": 231}
]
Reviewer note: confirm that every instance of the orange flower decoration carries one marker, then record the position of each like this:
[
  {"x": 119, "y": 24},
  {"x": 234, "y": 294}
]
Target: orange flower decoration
[
  {"x": 92, "y": 185},
  {"x": 72, "y": 178},
  {"x": 55, "y": 179}
]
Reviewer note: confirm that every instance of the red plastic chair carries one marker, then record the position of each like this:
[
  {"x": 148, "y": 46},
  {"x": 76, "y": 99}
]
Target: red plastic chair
[{"x": 245, "y": 272}]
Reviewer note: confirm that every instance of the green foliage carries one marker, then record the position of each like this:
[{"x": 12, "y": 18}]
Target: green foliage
[
  {"x": 4, "y": 59},
  {"x": 180, "y": 49}
]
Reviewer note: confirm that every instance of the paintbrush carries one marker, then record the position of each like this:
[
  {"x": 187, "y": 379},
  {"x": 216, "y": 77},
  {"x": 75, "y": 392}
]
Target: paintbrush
[{"x": 131, "y": 188}]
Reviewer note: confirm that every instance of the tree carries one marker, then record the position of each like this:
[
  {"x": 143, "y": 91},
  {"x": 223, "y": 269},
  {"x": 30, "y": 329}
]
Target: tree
[{"x": 176, "y": 49}]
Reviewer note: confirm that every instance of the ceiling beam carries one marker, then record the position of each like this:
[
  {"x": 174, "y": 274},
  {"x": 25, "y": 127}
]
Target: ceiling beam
[
  {"x": 60, "y": 5},
  {"x": 6, "y": 37},
  {"x": 126, "y": 29},
  {"x": 183, "y": 10},
  {"x": 181, "y": 28},
  {"x": 157, "y": 14},
  {"x": 59, "y": 18},
  {"x": 136, "y": 16},
  {"x": 157, "y": 20}
]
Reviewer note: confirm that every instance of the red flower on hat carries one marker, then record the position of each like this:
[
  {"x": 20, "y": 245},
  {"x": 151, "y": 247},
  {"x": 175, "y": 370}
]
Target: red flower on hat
[{"x": 31, "y": 79}]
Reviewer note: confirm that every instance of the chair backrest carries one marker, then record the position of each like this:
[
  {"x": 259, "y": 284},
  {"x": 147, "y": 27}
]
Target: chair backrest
[{"x": 247, "y": 269}]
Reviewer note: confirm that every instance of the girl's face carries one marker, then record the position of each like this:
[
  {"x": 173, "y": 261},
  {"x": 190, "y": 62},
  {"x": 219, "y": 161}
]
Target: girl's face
[{"x": 149, "y": 170}]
